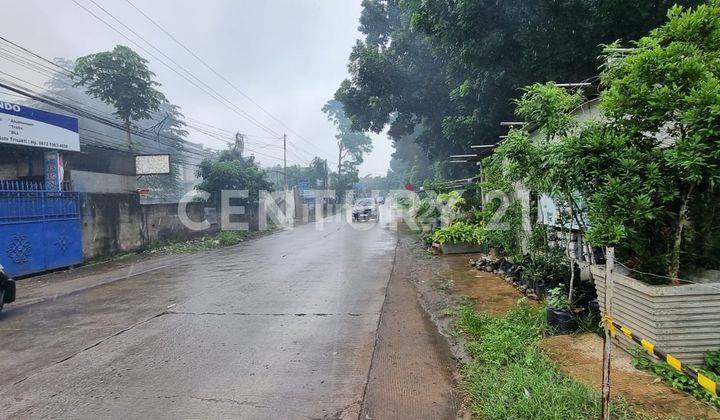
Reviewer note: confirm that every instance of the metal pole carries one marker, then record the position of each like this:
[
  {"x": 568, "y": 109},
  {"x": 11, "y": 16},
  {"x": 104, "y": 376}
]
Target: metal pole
[
  {"x": 607, "y": 344},
  {"x": 285, "y": 160}
]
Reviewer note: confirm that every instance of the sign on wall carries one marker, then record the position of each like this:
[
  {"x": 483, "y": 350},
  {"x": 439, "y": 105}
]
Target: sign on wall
[
  {"x": 152, "y": 164},
  {"x": 54, "y": 170},
  {"x": 25, "y": 126}
]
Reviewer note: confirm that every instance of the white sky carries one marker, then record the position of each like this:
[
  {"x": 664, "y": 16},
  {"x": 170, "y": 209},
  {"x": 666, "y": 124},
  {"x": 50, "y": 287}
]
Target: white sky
[{"x": 287, "y": 55}]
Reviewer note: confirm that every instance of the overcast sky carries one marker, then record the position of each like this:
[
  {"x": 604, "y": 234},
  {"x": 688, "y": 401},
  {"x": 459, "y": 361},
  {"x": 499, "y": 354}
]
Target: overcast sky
[{"x": 289, "y": 56}]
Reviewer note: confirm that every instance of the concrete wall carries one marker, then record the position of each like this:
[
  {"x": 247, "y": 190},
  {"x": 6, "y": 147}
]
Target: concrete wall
[
  {"x": 101, "y": 183},
  {"x": 118, "y": 222},
  {"x": 681, "y": 320}
]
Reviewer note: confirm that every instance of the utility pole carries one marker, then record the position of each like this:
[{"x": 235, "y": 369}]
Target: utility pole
[
  {"x": 239, "y": 143},
  {"x": 285, "y": 160},
  {"x": 327, "y": 176}
]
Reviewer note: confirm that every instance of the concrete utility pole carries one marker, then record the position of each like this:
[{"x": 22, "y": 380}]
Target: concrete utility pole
[
  {"x": 327, "y": 176},
  {"x": 285, "y": 160},
  {"x": 240, "y": 143}
]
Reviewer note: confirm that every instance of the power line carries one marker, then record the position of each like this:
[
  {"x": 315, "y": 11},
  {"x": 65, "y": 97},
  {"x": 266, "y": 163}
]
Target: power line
[
  {"x": 219, "y": 98},
  {"x": 92, "y": 110},
  {"x": 218, "y": 74},
  {"x": 107, "y": 119},
  {"x": 37, "y": 55}
]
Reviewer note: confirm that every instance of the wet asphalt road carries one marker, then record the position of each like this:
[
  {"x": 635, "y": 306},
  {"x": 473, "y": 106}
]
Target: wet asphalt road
[{"x": 282, "y": 326}]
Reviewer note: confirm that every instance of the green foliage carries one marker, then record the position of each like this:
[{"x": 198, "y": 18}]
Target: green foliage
[
  {"x": 557, "y": 298},
  {"x": 504, "y": 233},
  {"x": 674, "y": 378},
  {"x": 313, "y": 173},
  {"x": 460, "y": 232},
  {"x": 510, "y": 378},
  {"x": 550, "y": 268},
  {"x": 712, "y": 362},
  {"x": 232, "y": 172},
  {"x": 122, "y": 79},
  {"x": 550, "y": 106},
  {"x": 668, "y": 86}
]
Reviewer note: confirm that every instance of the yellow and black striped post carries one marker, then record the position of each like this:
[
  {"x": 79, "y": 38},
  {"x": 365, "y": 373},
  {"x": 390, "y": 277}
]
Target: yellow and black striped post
[{"x": 707, "y": 383}]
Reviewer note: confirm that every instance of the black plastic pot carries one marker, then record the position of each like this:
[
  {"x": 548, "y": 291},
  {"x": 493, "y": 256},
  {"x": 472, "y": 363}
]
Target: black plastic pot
[
  {"x": 561, "y": 321},
  {"x": 540, "y": 289}
]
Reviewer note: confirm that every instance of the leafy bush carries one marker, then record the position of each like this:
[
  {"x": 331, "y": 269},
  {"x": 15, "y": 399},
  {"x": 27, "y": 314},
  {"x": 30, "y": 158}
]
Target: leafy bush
[
  {"x": 558, "y": 298},
  {"x": 460, "y": 232},
  {"x": 712, "y": 361},
  {"x": 675, "y": 379},
  {"x": 550, "y": 268}
]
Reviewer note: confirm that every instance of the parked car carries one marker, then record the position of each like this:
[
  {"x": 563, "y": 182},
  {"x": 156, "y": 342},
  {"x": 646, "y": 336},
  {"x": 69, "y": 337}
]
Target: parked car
[
  {"x": 365, "y": 209},
  {"x": 7, "y": 288}
]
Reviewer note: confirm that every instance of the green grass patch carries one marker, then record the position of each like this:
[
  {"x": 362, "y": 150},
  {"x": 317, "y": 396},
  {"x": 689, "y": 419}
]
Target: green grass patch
[
  {"x": 510, "y": 377},
  {"x": 205, "y": 243}
]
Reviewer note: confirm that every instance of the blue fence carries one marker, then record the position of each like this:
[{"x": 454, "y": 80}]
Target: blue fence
[{"x": 39, "y": 229}]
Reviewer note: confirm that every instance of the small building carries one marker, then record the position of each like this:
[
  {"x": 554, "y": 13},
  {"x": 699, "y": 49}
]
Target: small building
[
  {"x": 40, "y": 226},
  {"x": 69, "y": 190}
]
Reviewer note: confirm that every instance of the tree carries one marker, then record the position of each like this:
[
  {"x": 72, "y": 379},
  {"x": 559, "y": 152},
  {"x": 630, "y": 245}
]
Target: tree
[
  {"x": 494, "y": 48},
  {"x": 122, "y": 79},
  {"x": 654, "y": 157},
  {"x": 665, "y": 96},
  {"x": 448, "y": 69},
  {"x": 230, "y": 171},
  {"x": 352, "y": 145},
  {"x": 397, "y": 80}
]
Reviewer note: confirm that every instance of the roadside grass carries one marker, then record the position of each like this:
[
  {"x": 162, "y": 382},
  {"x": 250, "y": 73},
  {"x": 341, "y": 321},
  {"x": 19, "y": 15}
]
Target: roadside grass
[
  {"x": 205, "y": 243},
  {"x": 510, "y": 377}
]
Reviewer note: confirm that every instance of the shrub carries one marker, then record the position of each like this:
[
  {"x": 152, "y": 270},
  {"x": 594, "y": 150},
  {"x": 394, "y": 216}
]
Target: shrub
[{"x": 460, "y": 232}]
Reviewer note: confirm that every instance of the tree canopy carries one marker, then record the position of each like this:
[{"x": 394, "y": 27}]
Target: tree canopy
[
  {"x": 122, "y": 79},
  {"x": 447, "y": 70},
  {"x": 230, "y": 171}
]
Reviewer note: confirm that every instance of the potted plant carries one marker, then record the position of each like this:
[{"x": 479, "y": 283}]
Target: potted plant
[
  {"x": 560, "y": 317},
  {"x": 460, "y": 238}
]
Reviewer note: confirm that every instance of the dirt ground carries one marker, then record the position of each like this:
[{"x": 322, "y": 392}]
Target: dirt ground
[
  {"x": 580, "y": 357},
  {"x": 411, "y": 376},
  {"x": 489, "y": 292},
  {"x": 446, "y": 281}
]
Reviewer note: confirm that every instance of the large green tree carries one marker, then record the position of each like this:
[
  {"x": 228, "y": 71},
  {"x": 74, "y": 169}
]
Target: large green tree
[
  {"x": 665, "y": 95},
  {"x": 163, "y": 132},
  {"x": 352, "y": 144},
  {"x": 448, "y": 69},
  {"x": 121, "y": 78},
  {"x": 398, "y": 81}
]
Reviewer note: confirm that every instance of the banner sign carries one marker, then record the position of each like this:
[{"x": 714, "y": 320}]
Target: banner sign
[
  {"x": 24, "y": 126},
  {"x": 54, "y": 170}
]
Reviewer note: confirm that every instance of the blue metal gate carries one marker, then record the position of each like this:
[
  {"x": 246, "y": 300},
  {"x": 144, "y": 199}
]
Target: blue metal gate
[{"x": 39, "y": 229}]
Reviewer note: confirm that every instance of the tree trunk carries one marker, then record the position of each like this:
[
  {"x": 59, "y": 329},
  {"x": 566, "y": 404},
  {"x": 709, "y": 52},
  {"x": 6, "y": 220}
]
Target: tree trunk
[
  {"x": 682, "y": 218},
  {"x": 570, "y": 259},
  {"x": 340, "y": 148}
]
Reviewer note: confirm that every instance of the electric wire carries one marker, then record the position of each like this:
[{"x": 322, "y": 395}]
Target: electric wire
[
  {"x": 219, "y": 98},
  {"x": 218, "y": 74}
]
